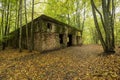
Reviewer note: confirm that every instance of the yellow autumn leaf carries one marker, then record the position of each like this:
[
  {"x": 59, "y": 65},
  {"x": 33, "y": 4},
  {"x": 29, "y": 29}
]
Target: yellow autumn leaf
[{"x": 114, "y": 75}]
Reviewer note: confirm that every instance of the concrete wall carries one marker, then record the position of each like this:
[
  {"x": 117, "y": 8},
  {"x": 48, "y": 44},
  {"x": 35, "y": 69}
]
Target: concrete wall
[
  {"x": 37, "y": 41},
  {"x": 50, "y": 41},
  {"x": 46, "y": 39}
]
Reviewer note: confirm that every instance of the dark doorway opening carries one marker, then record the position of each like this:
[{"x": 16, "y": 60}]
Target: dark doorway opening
[
  {"x": 61, "y": 38},
  {"x": 70, "y": 40},
  {"x": 49, "y": 25}
]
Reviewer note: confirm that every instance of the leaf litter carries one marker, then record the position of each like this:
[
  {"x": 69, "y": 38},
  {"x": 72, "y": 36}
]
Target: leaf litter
[{"x": 72, "y": 63}]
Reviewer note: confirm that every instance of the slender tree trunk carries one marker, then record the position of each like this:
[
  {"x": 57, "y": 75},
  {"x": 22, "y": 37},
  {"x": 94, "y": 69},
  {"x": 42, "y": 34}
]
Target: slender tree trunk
[
  {"x": 32, "y": 37},
  {"x": 6, "y": 23},
  {"x": 9, "y": 19},
  {"x": 112, "y": 23},
  {"x": 16, "y": 19},
  {"x": 20, "y": 19},
  {"x": 2, "y": 26},
  {"x": 17, "y": 23},
  {"x": 97, "y": 26},
  {"x": 2, "y": 29},
  {"x": 26, "y": 24},
  {"x": 83, "y": 21},
  {"x": 78, "y": 14}
]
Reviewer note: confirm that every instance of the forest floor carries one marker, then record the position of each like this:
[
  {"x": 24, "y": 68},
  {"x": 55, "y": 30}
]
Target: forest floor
[{"x": 73, "y": 63}]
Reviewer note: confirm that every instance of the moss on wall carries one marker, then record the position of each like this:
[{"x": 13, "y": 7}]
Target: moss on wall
[{"x": 48, "y": 40}]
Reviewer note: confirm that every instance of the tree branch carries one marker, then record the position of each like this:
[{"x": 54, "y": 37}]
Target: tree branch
[
  {"x": 100, "y": 16},
  {"x": 97, "y": 26}
]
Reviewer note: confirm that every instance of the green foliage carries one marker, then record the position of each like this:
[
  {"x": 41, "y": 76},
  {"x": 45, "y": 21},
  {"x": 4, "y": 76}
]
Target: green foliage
[
  {"x": 59, "y": 9},
  {"x": 117, "y": 32},
  {"x": 5, "y": 38}
]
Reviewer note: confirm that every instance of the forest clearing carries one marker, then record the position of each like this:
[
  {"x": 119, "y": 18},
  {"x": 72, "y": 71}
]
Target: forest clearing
[{"x": 72, "y": 63}]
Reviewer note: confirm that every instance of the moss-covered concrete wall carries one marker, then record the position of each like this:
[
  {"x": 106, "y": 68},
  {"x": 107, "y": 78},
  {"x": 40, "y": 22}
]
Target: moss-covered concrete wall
[{"x": 46, "y": 37}]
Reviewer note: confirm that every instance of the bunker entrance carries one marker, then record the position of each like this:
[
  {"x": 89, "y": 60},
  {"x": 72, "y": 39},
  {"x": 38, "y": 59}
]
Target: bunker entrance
[
  {"x": 69, "y": 43},
  {"x": 61, "y": 38}
]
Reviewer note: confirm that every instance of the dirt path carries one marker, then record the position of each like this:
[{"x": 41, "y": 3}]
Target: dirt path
[{"x": 73, "y": 63}]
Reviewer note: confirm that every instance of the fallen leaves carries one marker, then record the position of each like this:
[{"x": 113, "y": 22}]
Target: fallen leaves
[{"x": 73, "y": 63}]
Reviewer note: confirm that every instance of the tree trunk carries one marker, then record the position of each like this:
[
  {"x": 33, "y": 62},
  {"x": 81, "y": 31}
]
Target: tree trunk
[
  {"x": 8, "y": 28},
  {"x": 20, "y": 33},
  {"x": 84, "y": 13},
  {"x": 6, "y": 24},
  {"x": 17, "y": 23},
  {"x": 2, "y": 27},
  {"x": 26, "y": 25},
  {"x": 32, "y": 37},
  {"x": 78, "y": 14},
  {"x": 9, "y": 19},
  {"x": 16, "y": 19},
  {"x": 108, "y": 25},
  {"x": 97, "y": 26},
  {"x": 108, "y": 21}
]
